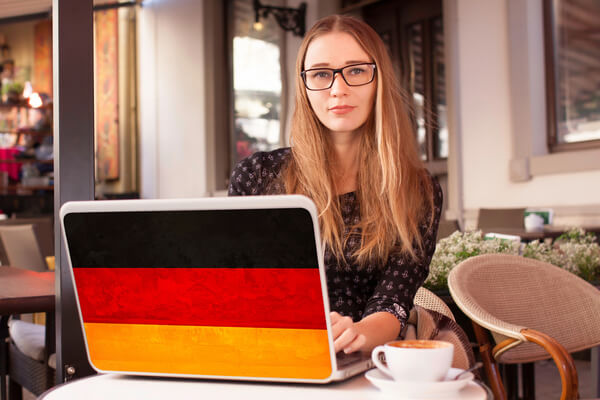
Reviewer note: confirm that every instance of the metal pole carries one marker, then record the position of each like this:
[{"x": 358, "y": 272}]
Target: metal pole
[{"x": 73, "y": 68}]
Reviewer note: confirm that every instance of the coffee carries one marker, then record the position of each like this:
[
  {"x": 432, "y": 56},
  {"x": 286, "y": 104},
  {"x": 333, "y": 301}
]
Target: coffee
[{"x": 420, "y": 344}]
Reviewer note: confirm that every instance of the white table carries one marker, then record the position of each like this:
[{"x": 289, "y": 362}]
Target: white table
[{"x": 113, "y": 386}]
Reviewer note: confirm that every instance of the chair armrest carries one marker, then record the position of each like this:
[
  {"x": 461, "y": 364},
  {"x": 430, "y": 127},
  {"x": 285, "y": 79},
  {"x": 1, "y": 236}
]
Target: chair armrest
[{"x": 562, "y": 359}]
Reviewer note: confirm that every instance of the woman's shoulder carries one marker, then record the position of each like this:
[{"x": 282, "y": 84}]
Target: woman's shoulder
[
  {"x": 270, "y": 161},
  {"x": 252, "y": 174},
  {"x": 272, "y": 158}
]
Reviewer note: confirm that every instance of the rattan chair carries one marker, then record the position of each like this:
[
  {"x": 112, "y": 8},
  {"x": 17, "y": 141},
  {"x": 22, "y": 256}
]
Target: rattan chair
[
  {"x": 533, "y": 310},
  {"x": 427, "y": 299},
  {"x": 29, "y": 350},
  {"x": 431, "y": 318}
]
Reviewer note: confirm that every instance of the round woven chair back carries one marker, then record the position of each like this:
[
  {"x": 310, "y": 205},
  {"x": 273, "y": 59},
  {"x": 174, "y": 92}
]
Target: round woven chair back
[
  {"x": 434, "y": 320},
  {"x": 506, "y": 294},
  {"x": 427, "y": 299}
]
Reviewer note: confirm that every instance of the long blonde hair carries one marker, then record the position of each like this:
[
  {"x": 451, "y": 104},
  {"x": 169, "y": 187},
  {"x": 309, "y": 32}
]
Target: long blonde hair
[{"x": 394, "y": 190}]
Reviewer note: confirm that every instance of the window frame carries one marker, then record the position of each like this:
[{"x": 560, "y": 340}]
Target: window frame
[
  {"x": 430, "y": 76},
  {"x": 551, "y": 82},
  {"x": 229, "y": 141}
]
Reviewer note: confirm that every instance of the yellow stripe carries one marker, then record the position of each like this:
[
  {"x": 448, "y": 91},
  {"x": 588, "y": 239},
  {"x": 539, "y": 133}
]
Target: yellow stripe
[{"x": 208, "y": 350}]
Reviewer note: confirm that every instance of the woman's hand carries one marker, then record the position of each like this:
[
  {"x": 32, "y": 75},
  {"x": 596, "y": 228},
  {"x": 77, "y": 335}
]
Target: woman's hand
[
  {"x": 365, "y": 334},
  {"x": 346, "y": 336}
]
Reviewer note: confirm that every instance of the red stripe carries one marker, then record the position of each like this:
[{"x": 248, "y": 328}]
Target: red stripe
[{"x": 252, "y": 297}]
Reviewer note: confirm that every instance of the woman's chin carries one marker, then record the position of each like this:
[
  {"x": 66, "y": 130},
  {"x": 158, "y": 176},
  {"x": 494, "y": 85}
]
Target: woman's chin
[{"x": 342, "y": 128}]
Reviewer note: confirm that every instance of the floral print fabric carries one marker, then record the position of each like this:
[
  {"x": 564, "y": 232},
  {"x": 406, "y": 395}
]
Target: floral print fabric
[{"x": 353, "y": 291}]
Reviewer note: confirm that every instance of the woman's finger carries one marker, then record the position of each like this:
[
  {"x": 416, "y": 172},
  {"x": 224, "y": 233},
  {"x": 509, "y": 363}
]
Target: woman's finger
[
  {"x": 356, "y": 344},
  {"x": 345, "y": 339},
  {"x": 334, "y": 317},
  {"x": 340, "y": 325}
]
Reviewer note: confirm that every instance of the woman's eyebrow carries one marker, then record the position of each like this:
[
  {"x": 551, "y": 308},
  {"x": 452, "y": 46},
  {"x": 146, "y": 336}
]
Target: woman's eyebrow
[
  {"x": 357, "y": 62},
  {"x": 318, "y": 65},
  {"x": 327, "y": 65}
]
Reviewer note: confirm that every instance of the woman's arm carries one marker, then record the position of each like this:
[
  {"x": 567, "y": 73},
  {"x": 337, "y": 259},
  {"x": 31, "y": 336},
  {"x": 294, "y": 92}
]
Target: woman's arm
[{"x": 364, "y": 335}]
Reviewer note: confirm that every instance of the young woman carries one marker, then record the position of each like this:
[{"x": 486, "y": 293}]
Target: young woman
[{"x": 354, "y": 154}]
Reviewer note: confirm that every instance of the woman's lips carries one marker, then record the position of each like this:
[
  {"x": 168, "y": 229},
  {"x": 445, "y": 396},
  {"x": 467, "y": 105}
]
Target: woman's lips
[{"x": 341, "y": 109}]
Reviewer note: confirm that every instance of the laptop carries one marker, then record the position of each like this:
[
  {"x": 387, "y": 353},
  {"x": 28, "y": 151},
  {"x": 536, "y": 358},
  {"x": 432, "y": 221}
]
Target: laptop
[{"x": 219, "y": 288}]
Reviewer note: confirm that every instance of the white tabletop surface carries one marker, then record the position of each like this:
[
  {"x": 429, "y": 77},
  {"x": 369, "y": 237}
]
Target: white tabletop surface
[{"x": 113, "y": 387}]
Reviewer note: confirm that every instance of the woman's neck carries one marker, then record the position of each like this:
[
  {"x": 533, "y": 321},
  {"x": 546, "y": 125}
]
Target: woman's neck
[{"x": 345, "y": 173}]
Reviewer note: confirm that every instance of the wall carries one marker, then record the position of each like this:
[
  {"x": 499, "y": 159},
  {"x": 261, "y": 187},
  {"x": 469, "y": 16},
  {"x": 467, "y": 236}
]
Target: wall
[
  {"x": 490, "y": 134},
  {"x": 173, "y": 149}
]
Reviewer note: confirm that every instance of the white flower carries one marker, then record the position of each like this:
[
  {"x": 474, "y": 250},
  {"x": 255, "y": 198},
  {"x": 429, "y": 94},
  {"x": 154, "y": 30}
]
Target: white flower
[{"x": 575, "y": 251}]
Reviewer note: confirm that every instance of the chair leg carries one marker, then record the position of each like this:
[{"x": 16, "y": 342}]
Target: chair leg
[
  {"x": 50, "y": 343},
  {"x": 511, "y": 380},
  {"x": 15, "y": 391},
  {"x": 3, "y": 355},
  {"x": 491, "y": 367},
  {"x": 528, "y": 379},
  {"x": 562, "y": 359}
]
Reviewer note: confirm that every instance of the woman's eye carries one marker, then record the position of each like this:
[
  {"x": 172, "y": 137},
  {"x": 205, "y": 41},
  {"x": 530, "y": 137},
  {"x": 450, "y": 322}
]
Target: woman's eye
[
  {"x": 356, "y": 71},
  {"x": 321, "y": 75}
]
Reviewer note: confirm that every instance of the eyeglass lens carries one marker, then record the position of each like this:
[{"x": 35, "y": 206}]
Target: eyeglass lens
[{"x": 354, "y": 75}]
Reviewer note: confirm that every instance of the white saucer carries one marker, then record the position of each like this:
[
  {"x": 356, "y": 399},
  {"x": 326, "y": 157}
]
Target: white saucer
[{"x": 445, "y": 388}]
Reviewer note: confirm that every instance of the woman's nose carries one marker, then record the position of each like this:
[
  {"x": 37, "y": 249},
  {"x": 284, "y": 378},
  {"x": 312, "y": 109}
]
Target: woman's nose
[{"x": 339, "y": 86}]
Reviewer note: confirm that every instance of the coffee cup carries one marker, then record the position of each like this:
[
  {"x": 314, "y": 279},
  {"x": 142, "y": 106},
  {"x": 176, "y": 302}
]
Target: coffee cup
[
  {"x": 415, "y": 360},
  {"x": 534, "y": 223}
]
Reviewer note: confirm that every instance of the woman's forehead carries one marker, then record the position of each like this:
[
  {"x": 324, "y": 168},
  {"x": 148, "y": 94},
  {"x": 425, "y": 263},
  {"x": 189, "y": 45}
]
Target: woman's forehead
[{"x": 334, "y": 50}]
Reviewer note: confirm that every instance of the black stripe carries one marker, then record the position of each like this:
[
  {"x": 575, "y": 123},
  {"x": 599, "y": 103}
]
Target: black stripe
[{"x": 273, "y": 238}]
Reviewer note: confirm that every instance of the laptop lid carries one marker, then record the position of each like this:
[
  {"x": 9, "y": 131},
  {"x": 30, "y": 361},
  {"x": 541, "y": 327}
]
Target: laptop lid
[{"x": 229, "y": 288}]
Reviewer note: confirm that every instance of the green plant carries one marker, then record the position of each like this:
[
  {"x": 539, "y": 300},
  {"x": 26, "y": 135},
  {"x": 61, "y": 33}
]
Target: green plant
[
  {"x": 576, "y": 251},
  {"x": 458, "y": 247},
  {"x": 14, "y": 87}
]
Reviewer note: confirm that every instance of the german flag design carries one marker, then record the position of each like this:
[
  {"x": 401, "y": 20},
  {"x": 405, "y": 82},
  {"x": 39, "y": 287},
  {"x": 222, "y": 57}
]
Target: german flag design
[{"x": 212, "y": 293}]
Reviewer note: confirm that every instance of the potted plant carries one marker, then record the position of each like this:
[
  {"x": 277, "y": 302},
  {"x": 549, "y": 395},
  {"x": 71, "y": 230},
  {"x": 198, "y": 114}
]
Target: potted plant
[
  {"x": 458, "y": 247},
  {"x": 576, "y": 251},
  {"x": 11, "y": 92}
]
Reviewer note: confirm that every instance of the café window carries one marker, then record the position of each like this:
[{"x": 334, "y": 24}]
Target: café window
[
  {"x": 256, "y": 81},
  {"x": 425, "y": 81},
  {"x": 572, "y": 44}
]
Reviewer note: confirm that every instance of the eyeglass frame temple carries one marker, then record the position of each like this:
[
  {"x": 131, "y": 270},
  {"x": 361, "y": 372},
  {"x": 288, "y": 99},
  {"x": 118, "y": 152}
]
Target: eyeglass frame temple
[{"x": 338, "y": 71}]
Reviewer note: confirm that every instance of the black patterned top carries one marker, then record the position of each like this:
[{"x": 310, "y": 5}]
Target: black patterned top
[{"x": 354, "y": 292}]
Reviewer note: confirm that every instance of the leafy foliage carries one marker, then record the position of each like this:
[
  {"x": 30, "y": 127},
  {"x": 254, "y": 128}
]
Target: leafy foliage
[{"x": 576, "y": 251}]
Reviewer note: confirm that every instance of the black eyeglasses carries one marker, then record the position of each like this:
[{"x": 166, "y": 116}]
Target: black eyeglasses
[{"x": 353, "y": 75}]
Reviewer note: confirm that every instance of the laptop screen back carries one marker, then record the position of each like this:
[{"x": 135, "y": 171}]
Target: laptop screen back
[{"x": 220, "y": 293}]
